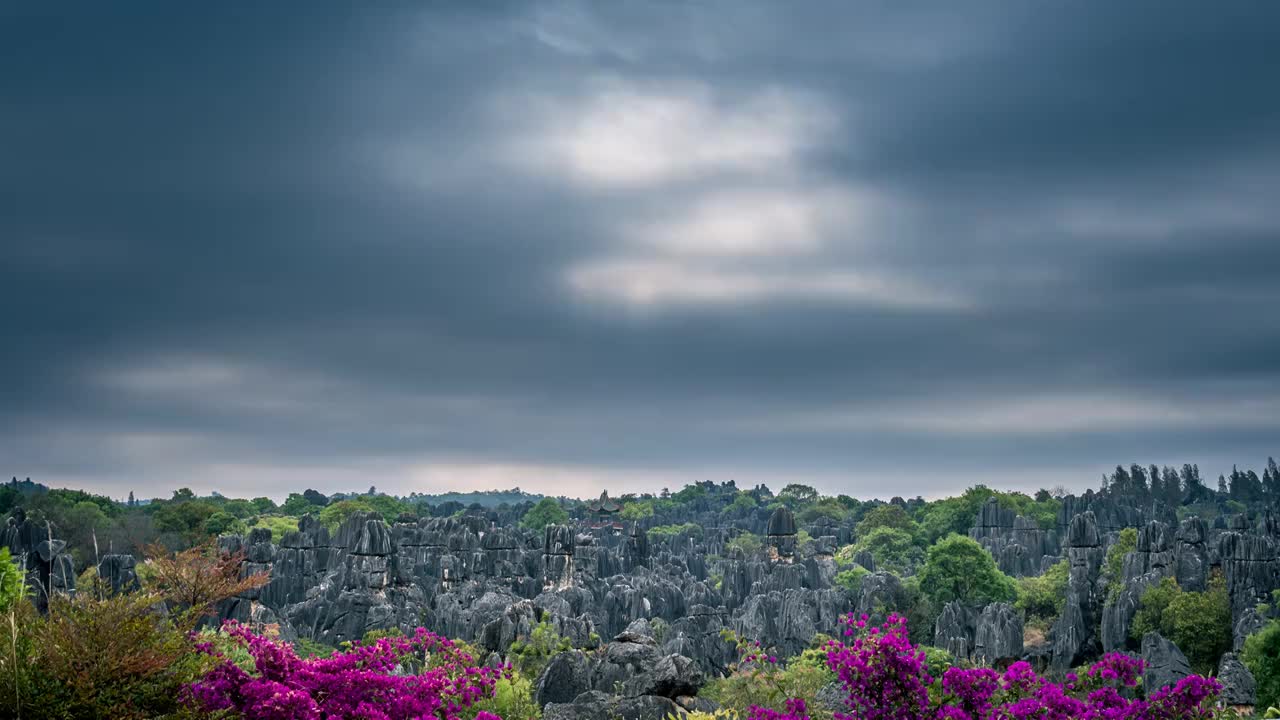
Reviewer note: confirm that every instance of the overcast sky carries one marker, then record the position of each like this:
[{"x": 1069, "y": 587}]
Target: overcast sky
[{"x": 882, "y": 248}]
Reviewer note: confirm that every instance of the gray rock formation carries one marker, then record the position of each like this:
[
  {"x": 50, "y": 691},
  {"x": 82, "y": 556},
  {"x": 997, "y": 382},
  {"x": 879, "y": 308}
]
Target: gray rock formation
[
  {"x": 1072, "y": 637},
  {"x": 118, "y": 573},
  {"x": 998, "y": 636},
  {"x": 1238, "y": 685},
  {"x": 566, "y": 676},
  {"x": 48, "y": 568},
  {"x": 1165, "y": 663}
]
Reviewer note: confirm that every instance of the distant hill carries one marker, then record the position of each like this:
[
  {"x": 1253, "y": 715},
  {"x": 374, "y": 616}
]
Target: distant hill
[{"x": 487, "y": 498}]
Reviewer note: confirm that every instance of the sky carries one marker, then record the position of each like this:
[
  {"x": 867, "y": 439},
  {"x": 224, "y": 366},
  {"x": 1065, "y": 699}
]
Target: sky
[{"x": 880, "y": 248}]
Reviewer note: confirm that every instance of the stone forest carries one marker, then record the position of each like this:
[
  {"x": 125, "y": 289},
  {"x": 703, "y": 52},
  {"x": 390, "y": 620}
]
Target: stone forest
[{"x": 1154, "y": 596}]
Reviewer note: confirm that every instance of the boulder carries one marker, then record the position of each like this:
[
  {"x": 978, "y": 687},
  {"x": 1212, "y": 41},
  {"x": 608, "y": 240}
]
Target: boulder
[
  {"x": 566, "y": 676},
  {"x": 1165, "y": 663},
  {"x": 1238, "y": 686}
]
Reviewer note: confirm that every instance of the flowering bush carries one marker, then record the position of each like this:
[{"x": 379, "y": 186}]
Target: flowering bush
[
  {"x": 886, "y": 678},
  {"x": 422, "y": 676},
  {"x": 763, "y": 679}
]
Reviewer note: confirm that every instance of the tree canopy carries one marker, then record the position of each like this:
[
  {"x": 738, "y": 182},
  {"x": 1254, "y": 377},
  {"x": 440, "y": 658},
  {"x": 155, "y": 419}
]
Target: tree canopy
[
  {"x": 546, "y": 511},
  {"x": 958, "y": 568}
]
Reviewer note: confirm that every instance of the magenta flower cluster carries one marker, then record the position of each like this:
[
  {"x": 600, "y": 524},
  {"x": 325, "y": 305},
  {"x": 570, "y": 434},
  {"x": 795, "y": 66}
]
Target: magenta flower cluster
[
  {"x": 886, "y": 678},
  {"x": 393, "y": 678}
]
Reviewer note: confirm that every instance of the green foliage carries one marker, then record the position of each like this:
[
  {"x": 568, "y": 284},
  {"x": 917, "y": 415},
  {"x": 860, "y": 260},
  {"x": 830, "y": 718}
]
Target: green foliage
[
  {"x": 277, "y": 524},
  {"x": 1199, "y": 623},
  {"x": 92, "y": 657},
  {"x": 666, "y": 531},
  {"x": 1262, "y": 656},
  {"x": 742, "y": 502},
  {"x": 749, "y": 543},
  {"x": 851, "y": 579},
  {"x": 12, "y": 584},
  {"x": 886, "y": 516},
  {"x": 920, "y": 611},
  {"x": 512, "y": 698},
  {"x": 958, "y": 568},
  {"x": 937, "y": 660},
  {"x": 893, "y": 549},
  {"x": 637, "y": 510},
  {"x": 956, "y": 514},
  {"x": 826, "y": 508},
  {"x": 334, "y": 515},
  {"x": 306, "y": 647},
  {"x": 297, "y": 505},
  {"x": 1042, "y": 597},
  {"x": 546, "y": 511},
  {"x": 1113, "y": 566},
  {"x": 689, "y": 494},
  {"x": 186, "y": 517},
  {"x": 796, "y": 495},
  {"x": 768, "y": 685},
  {"x": 221, "y": 523},
  {"x": 530, "y": 655},
  {"x": 263, "y": 505}
]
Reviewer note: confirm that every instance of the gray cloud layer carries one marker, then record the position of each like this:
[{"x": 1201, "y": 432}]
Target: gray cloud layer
[{"x": 573, "y": 245}]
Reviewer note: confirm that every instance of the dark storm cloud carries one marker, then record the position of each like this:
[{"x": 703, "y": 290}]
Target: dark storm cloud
[{"x": 565, "y": 245}]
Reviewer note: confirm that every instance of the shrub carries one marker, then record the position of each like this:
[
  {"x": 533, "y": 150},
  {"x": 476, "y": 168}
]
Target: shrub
[
  {"x": 637, "y": 510},
  {"x": 113, "y": 657},
  {"x": 1262, "y": 657},
  {"x": 194, "y": 580},
  {"x": 1113, "y": 567},
  {"x": 1199, "y": 623},
  {"x": 749, "y": 543},
  {"x": 893, "y": 549},
  {"x": 885, "y": 677},
  {"x": 393, "y": 678},
  {"x": 530, "y": 655},
  {"x": 12, "y": 583},
  {"x": 1042, "y": 597},
  {"x": 277, "y": 524},
  {"x": 763, "y": 679},
  {"x": 851, "y": 579}
]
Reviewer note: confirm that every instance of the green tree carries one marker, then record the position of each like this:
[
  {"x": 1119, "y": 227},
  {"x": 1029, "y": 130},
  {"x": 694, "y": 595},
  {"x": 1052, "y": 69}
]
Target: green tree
[
  {"x": 334, "y": 515},
  {"x": 689, "y": 494},
  {"x": 546, "y": 512},
  {"x": 221, "y": 523},
  {"x": 958, "y": 568},
  {"x": 1262, "y": 657},
  {"x": 887, "y": 516},
  {"x": 742, "y": 502},
  {"x": 263, "y": 505},
  {"x": 893, "y": 549},
  {"x": 1042, "y": 597},
  {"x": 827, "y": 508},
  {"x": 797, "y": 495},
  {"x": 637, "y": 510},
  {"x": 1199, "y": 623},
  {"x": 296, "y": 505}
]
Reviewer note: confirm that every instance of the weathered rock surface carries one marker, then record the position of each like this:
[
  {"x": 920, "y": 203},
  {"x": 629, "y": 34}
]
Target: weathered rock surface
[
  {"x": 1238, "y": 685},
  {"x": 1165, "y": 663},
  {"x": 566, "y": 676}
]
